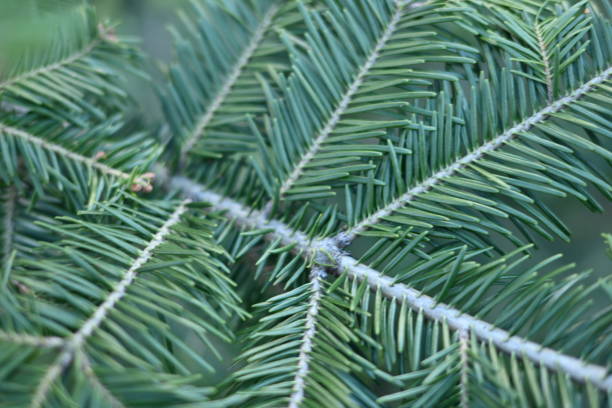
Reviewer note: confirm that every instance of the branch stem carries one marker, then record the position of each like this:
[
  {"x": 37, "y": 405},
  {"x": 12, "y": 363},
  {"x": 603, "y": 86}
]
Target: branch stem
[
  {"x": 345, "y": 101},
  {"x": 322, "y": 249},
  {"x": 546, "y": 61},
  {"x": 26, "y": 339},
  {"x": 299, "y": 381},
  {"x": 229, "y": 82},
  {"x": 102, "y": 32},
  {"x": 76, "y": 341},
  {"x": 499, "y": 141},
  {"x": 8, "y": 223},
  {"x": 62, "y": 151}
]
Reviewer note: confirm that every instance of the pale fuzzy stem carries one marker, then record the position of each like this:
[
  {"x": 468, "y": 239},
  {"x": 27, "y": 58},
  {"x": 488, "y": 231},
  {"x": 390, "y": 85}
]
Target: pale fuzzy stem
[
  {"x": 28, "y": 340},
  {"x": 10, "y": 199},
  {"x": 103, "y": 32},
  {"x": 345, "y": 101},
  {"x": 253, "y": 219},
  {"x": 62, "y": 151},
  {"x": 299, "y": 382},
  {"x": 546, "y": 62},
  {"x": 464, "y": 338},
  {"x": 78, "y": 339},
  {"x": 225, "y": 89},
  {"x": 486, "y": 332},
  {"x": 323, "y": 249},
  {"x": 477, "y": 154}
]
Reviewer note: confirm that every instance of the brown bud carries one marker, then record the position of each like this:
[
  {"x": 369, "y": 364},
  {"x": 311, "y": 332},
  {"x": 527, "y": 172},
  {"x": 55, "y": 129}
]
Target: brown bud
[
  {"x": 107, "y": 33},
  {"x": 99, "y": 155}
]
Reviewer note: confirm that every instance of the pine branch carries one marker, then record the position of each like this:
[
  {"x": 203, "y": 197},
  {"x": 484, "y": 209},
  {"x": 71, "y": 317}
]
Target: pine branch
[
  {"x": 299, "y": 385},
  {"x": 499, "y": 141},
  {"x": 139, "y": 182},
  {"x": 103, "y": 33},
  {"x": 346, "y": 99},
  {"x": 546, "y": 61},
  {"x": 76, "y": 78},
  {"x": 321, "y": 250},
  {"x": 385, "y": 102},
  {"x": 198, "y": 131},
  {"x": 355, "y": 118},
  {"x": 10, "y": 200},
  {"x": 484, "y": 331},
  {"x": 29, "y": 340},
  {"x": 464, "y": 338},
  {"x": 76, "y": 341}
]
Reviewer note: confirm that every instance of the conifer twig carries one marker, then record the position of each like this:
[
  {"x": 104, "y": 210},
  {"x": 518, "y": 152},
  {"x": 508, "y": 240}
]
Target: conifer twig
[
  {"x": 75, "y": 342},
  {"x": 322, "y": 249},
  {"x": 229, "y": 82},
  {"x": 29, "y": 340},
  {"x": 427, "y": 184},
  {"x": 346, "y": 99},
  {"x": 87, "y": 49},
  {"x": 62, "y": 151},
  {"x": 299, "y": 385}
]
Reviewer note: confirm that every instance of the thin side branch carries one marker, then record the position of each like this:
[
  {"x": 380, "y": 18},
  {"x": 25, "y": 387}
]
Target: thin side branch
[
  {"x": 250, "y": 218},
  {"x": 28, "y": 340},
  {"x": 78, "y": 339},
  {"x": 10, "y": 199},
  {"x": 486, "y": 332},
  {"x": 496, "y": 143},
  {"x": 464, "y": 384},
  {"x": 103, "y": 32},
  {"x": 225, "y": 89},
  {"x": 345, "y": 101},
  {"x": 62, "y": 151},
  {"x": 326, "y": 251},
  {"x": 546, "y": 61},
  {"x": 299, "y": 382}
]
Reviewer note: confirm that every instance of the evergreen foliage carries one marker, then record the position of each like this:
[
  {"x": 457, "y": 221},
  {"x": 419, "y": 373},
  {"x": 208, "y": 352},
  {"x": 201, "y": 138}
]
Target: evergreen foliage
[{"x": 349, "y": 196}]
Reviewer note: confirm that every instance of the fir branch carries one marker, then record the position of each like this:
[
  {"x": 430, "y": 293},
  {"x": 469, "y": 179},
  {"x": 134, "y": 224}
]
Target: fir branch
[
  {"x": 29, "y": 340},
  {"x": 304, "y": 334},
  {"x": 103, "y": 33},
  {"x": 464, "y": 338},
  {"x": 250, "y": 218},
  {"x": 322, "y": 249},
  {"x": 227, "y": 86},
  {"x": 347, "y": 236},
  {"x": 77, "y": 340},
  {"x": 10, "y": 200},
  {"x": 486, "y": 332},
  {"x": 297, "y": 394},
  {"x": 546, "y": 61},
  {"x": 143, "y": 180},
  {"x": 346, "y": 99}
]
